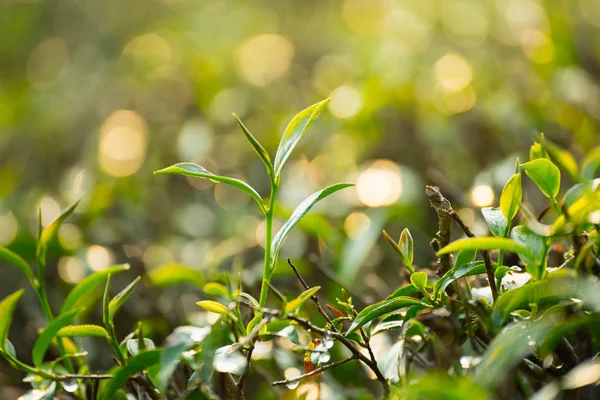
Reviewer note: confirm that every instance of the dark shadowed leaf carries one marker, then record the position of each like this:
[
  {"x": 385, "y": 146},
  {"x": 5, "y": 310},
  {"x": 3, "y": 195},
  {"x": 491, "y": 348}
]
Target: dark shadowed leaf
[
  {"x": 16, "y": 260},
  {"x": 121, "y": 374},
  {"x": 43, "y": 341},
  {"x": 508, "y": 349}
]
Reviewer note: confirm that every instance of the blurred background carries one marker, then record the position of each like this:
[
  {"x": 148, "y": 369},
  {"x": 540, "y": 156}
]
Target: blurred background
[{"x": 95, "y": 95}]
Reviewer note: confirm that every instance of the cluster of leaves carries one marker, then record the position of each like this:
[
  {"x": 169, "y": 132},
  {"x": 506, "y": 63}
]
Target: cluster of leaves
[
  {"x": 529, "y": 330},
  {"x": 70, "y": 371}
]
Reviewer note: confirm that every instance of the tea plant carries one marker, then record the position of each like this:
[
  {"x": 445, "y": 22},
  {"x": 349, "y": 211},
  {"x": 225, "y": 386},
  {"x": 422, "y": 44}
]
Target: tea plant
[
  {"x": 515, "y": 314},
  {"x": 69, "y": 371}
]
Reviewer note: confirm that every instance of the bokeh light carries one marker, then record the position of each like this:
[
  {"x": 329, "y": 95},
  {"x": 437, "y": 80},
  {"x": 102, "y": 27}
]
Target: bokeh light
[
  {"x": 380, "y": 184},
  {"x": 122, "y": 143},
  {"x": 356, "y": 224},
  {"x": 71, "y": 269},
  {"x": 98, "y": 257},
  {"x": 345, "y": 102},
  {"x": 482, "y": 195},
  {"x": 47, "y": 63},
  {"x": 10, "y": 227},
  {"x": 453, "y": 72},
  {"x": 264, "y": 58}
]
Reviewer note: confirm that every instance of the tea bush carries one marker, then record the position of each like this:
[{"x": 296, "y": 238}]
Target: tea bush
[{"x": 515, "y": 314}]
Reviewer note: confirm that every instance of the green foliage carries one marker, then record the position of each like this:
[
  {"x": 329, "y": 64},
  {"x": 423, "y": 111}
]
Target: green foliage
[
  {"x": 293, "y": 133},
  {"x": 486, "y": 243},
  {"x": 545, "y": 175},
  {"x": 43, "y": 341},
  {"x": 500, "y": 315},
  {"x": 7, "y": 309},
  {"x": 191, "y": 169},
  {"x": 82, "y": 295},
  {"x": 298, "y": 213}
]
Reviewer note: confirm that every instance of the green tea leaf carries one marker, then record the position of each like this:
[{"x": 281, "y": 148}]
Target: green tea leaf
[
  {"x": 396, "y": 247},
  {"x": 121, "y": 298},
  {"x": 175, "y": 274},
  {"x": 545, "y": 175},
  {"x": 82, "y": 330},
  {"x": 538, "y": 247},
  {"x": 181, "y": 340},
  {"x": 406, "y": 246},
  {"x": 45, "y": 338},
  {"x": 295, "y": 304},
  {"x": 511, "y": 197},
  {"x": 299, "y": 212},
  {"x": 590, "y": 164},
  {"x": 191, "y": 169},
  {"x": 473, "y": 268},
  {"x": 7, "y": 309},
  {"x": 16, "y": 260},
  {"x": 83, "y": 293},
  {"x": 294, "y": 131},
  {"x": 465, "y": 257},
  {"x": 48, "y": 233},
  {"x": 403, "y": 291},
  {"x": 262, "y": 153},
  {"x": 419, "y": 280},
  {"x": 486, "y": 243},
  {"x": 121, "y": 374},
  {"x": 378, "y": 309},
  {"x": 496, "y": 220}
]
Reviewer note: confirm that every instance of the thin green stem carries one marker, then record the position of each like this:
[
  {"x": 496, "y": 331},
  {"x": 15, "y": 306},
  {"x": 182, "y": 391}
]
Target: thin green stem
[
  {"x": 555, "y": 206},
  {"x": 43, "y": 296},
  {"x": 267, "y": 267}
]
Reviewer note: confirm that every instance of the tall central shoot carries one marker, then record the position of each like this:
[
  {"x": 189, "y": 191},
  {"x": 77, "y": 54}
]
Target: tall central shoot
[{"x": 294, "y": 131}]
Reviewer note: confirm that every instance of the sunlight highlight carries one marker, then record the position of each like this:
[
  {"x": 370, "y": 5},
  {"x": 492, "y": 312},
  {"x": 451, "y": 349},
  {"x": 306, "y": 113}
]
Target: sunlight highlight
[
  {"x": 98, "y": 257},
  {"x": 453, "y": 72},
  {"x": 263, "y": 59},
  {"x": 482, "y": 195},
  {"x": 122, "y": 146},
  {"x": 380, "y": 184},
  {"x": 345, "y": 102}
]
